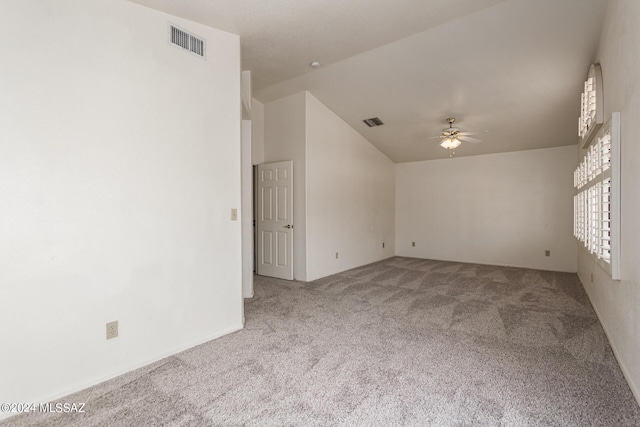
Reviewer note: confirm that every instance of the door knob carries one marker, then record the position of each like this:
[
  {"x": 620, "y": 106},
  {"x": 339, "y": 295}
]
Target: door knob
[{"x": 287, "y": 226}]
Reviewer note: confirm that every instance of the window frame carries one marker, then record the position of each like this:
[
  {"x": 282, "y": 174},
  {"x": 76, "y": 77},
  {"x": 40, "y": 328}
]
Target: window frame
[{"x": 596, "y": 218}]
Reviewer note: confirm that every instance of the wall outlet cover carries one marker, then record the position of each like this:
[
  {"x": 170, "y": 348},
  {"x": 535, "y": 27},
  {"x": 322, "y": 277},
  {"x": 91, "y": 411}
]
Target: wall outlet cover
[{"x": 112, "y": 329}]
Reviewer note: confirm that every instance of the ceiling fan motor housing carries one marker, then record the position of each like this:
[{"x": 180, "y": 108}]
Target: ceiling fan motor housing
[{"x": 450, "y": 131}]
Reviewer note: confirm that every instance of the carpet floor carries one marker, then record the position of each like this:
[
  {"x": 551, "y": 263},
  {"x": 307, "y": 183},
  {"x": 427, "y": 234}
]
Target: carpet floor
[{"x": 400, "y": 342}]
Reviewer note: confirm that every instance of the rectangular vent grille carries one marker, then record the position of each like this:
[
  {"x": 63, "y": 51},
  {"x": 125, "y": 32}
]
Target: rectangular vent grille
[
  {"x": 373, "y": 122},
  {"x": 187, "y": 41}
]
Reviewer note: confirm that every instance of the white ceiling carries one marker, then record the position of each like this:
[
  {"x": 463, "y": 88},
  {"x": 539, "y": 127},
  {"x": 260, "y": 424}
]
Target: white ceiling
[{"x": 512, "y": 67}]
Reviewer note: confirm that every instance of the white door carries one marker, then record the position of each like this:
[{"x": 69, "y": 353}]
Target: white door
[{"x": 275, "y": 220}]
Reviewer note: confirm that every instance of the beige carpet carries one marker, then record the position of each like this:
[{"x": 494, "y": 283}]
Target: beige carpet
[{"x": 400, "y": 342}]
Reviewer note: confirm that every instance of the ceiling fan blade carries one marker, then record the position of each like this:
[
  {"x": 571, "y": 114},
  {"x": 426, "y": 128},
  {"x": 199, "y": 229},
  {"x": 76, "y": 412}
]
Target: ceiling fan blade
[
  {"x": 467, "y": 133},
  {"x": 469, "y": 139},
  {"x": 434, "y": 137}
]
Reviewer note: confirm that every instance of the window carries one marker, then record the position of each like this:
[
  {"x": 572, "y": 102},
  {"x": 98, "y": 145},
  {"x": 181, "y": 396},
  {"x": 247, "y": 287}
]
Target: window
[{"x": 596, "y": 206}]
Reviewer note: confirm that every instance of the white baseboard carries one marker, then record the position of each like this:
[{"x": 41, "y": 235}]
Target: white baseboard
[
  {"x": 348, "y": 268},
  {"x": 527, "y": 267},
  {"x": 136, "y": 365},
  {"x": 634, "y": 388}
]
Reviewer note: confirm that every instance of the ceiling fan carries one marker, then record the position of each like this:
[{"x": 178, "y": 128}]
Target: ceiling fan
[{"x": 451, "y": 137}]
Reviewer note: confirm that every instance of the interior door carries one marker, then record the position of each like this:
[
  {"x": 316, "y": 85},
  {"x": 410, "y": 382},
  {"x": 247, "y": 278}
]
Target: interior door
[{"x": 275, "y": 220}]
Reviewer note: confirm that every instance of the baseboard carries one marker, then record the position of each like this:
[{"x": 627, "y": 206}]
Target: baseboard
[
  {"x": 491, "y": 265},
  {"x": 634, "y": 389},
  {"x": 349, "y": 268},
  {"x": 443, "y": 260},
  {"x": 102, "y": 378}
]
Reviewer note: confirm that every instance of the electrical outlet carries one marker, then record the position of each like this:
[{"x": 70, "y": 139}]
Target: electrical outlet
[
  {"x": 547, "y": 252},
  {"x": 234, "y": 214},
  {"x": 336, "y": 255},
  {"x": 112, "y": 329},
  {"x": 413, "y": 244}
]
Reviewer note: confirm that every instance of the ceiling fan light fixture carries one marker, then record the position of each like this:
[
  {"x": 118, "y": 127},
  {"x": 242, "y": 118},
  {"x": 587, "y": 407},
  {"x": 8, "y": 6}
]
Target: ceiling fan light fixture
[{"x": 450, "y": 143}]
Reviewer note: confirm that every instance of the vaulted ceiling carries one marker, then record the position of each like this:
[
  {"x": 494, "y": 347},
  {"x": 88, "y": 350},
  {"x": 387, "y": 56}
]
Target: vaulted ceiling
[{"x": 509, "y": 70}]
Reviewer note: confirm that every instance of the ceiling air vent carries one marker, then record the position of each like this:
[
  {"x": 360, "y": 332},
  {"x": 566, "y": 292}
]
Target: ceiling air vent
[
  {"x": 373, "y": 122},
  {"x": 187, "y": 41}
]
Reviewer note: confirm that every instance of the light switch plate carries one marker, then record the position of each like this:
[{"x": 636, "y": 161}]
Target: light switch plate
[{"x": 234, "y": 214}]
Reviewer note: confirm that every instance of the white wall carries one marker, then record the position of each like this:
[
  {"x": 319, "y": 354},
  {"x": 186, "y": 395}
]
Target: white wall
[
  {"x": 284, "y": 139},
  {"x": 257, "y": 132},
  {"x": 618, "y": 302},
  {"x": 350, "y": 196},
  {"x": 247, "y": 209},
  {"x": 501, "y": 209},
  {"x": 246, "y": 167},
  {"x": 257, "y": 157},
  {"x": 117, "y": 176}
]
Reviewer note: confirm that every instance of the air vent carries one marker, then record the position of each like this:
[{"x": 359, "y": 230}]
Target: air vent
[
  {"x": 373, "y": 122},
  {"x": 187, "y": 41}
]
